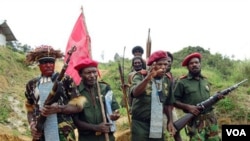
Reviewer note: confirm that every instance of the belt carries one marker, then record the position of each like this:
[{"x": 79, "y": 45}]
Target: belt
[
  {"x": 145, "y": 120},
  {"x": 93, "y": 133}
]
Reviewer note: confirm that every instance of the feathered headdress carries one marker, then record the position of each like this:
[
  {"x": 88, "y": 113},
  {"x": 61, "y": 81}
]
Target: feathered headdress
[{"x": 41, "y": 52}]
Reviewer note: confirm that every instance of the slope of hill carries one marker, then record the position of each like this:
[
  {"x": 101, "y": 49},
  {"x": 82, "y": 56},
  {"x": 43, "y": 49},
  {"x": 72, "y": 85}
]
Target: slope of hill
[{"x": 13, "y": 76}]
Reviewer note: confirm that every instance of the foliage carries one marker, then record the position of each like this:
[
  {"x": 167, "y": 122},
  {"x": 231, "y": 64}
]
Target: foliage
[
  {"x": 5, "y": 109},
  {"x": 18, "y": 47},
  {"x": 209, "y": 61}
]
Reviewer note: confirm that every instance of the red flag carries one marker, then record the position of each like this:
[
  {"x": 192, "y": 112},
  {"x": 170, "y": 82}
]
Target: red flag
[{"x": 81, "y": 39}]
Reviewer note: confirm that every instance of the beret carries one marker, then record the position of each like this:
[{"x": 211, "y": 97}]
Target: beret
[
  {"x": 155, "y": 56},
  {"x": 86, "y": 62},
  {"x": 189, "y": 57}
]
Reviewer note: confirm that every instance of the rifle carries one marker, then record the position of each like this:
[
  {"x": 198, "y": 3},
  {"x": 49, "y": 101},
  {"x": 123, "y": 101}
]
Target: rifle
[
  {"x": 124, "y": 91},
  {"x": 53, "y": 96},
  {"x": 180, "y": 123}
]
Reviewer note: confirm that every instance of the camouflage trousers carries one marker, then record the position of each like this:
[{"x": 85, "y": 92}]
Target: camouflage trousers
[{"x": 203, "y": 128}]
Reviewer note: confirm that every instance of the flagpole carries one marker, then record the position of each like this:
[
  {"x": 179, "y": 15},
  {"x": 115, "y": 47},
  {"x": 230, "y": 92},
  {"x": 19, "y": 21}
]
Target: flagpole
[{"x": 89, "y": 45}]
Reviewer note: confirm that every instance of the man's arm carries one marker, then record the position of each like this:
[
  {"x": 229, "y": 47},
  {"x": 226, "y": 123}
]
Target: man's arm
[
  {"x": 74, "y": 106},
  {"x": 141, "y": 87}
]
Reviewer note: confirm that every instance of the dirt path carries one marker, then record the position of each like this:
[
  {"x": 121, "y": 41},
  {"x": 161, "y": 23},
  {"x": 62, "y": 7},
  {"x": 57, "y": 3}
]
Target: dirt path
[{"x": 7, "y": 134}]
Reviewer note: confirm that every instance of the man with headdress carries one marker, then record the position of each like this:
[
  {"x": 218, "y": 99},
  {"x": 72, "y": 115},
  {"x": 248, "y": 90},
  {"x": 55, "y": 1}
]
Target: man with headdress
[
  {"x": 190, "y": 90},
  {"x": 58, "y": 125},
  {"x": 152, "y": 97},
  {"x": 90, "y": 122}
]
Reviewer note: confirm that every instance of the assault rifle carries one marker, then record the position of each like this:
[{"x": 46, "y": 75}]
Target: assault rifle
[
  {"x": 180, "y": 123},
  {"x": 53, "y": 96}
]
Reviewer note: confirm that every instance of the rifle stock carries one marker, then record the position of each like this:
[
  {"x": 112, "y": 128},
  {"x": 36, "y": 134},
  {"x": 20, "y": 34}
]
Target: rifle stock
[
  {"x": 53, "y": 96},
  {"x": 180, "y": 123}
]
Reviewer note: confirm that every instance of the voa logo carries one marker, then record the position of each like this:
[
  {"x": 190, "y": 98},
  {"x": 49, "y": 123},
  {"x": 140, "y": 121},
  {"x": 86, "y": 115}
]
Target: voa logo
[{"x": 236, "y": 132}]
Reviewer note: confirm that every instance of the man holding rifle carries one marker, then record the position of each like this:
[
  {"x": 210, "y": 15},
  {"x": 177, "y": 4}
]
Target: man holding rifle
[
  {"x": 58, "y": 125},
  {"x": 190, "y": 90},
  {"x": 96, "y": 121}
]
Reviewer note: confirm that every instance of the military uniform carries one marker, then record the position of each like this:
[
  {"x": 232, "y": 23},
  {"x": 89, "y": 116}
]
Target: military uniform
[
  {"x": 65, "y": 122},
  {"x": 92, "y": 111},
  {"x": 141, "y": 108},
  {"x": 192, "y": 91}
]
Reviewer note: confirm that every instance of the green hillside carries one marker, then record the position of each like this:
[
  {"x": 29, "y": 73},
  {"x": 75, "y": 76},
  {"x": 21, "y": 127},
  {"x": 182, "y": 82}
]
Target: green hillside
[{"x": 222, "y": 72}]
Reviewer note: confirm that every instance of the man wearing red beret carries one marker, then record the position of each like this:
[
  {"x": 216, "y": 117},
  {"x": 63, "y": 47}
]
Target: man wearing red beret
[
  {"x": 152, "y": 97},
  {"x": 89, "y": 122},
  {"x": 190, "y": 90}
]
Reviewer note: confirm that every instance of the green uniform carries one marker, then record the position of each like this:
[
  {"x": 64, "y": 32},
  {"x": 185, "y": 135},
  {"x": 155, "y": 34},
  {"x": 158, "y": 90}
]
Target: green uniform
[
  {"x": 192, "y": 91},
  {"x": 141, "y": 108},
  {"x": 92, "y": 113},
  {"x": 65, "y": 121}
]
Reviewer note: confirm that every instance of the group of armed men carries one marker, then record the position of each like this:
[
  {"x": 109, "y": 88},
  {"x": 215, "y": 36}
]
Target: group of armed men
[{"x": 92, "y": 109}]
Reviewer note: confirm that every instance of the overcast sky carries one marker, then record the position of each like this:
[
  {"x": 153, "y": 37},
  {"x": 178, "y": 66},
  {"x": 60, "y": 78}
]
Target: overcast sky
[{"x": 222, "y": 26}]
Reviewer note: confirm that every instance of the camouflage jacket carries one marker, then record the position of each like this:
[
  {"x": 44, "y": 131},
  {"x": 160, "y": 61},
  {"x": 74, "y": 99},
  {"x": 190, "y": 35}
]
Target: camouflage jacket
[{"x": 65, "y": 122}]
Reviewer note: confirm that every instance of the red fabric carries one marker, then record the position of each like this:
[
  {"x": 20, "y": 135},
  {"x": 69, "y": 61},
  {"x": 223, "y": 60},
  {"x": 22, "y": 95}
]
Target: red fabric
[
  {"x": 189, "y": 57},
  {"x": 81, "y": 39},
  {"x": 157, "y": 55},
  {"x": 86, "y": 62}
]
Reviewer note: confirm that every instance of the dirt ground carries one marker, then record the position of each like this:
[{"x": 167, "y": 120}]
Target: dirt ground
[{"x": 6, "y": 134}]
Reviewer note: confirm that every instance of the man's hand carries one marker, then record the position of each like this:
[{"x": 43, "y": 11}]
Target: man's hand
[
  {"x": 115, "y": 115},
  {"x": 171, "y": 129},
  {"x": 34, "y": 132},
  {"x": 194, "y": 109},
  {"x": 50, "y": 109},
  {"x": 103, "y": 127}
]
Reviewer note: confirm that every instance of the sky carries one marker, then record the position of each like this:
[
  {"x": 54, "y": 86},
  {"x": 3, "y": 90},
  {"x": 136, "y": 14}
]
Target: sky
[{"x": 116, "y": 26}]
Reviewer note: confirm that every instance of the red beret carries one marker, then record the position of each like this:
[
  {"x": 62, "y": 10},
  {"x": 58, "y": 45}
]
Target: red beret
[
  {"x": 157, "y": 56},
  {"x": 84, "y": 63},
  {"x": 189, "y": 57}
]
